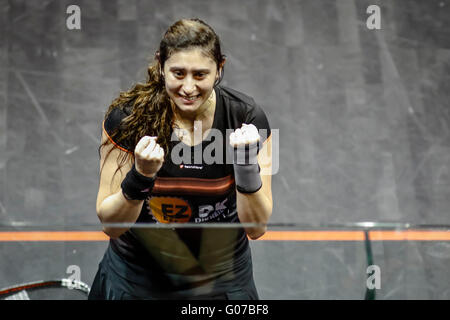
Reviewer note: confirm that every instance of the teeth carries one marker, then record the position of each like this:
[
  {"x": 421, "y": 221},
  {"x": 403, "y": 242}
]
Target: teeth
[{"x": 191, "y": 98}]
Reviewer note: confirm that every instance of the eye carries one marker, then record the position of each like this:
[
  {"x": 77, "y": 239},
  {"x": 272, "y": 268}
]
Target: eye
[
  {"x": 178, "y": 73},
  {"x": 200, "y": 74}
]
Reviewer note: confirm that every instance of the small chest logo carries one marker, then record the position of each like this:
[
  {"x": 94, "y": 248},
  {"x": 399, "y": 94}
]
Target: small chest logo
[{"x": 187, "y": 166}]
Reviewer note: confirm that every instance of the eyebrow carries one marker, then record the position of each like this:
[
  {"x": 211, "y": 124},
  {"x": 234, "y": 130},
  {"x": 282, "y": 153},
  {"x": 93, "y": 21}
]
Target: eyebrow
[{"x": 195, "y": 70}]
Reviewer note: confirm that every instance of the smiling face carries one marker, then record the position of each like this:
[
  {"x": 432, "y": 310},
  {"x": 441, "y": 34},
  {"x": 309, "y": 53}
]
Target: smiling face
[{"x": 189, "y": 79}]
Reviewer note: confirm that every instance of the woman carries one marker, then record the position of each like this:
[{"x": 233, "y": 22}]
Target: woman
[{"x": 176, "y": 113}]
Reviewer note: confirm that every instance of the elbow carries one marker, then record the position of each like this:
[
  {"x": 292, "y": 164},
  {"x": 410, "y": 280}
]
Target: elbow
[
  {"x": 255, "y": 234},
  {"x": 258, "y": 232},
  {"x": 113, "y": 233}
]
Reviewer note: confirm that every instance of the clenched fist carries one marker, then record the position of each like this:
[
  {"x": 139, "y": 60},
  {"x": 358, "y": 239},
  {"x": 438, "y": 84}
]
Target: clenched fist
[
  {"x": 149, "y": 156},
  {"x": 247, "y": 134}
]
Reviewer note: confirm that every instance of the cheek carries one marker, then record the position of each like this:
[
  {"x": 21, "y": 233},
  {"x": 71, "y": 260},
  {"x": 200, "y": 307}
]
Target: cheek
[
  {"x": 207, "y": 85},
  {"x": 171, "y": 87}
]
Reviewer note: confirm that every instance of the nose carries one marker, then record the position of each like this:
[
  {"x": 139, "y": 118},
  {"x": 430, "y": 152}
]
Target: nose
[{"x": 189, "y": 86}]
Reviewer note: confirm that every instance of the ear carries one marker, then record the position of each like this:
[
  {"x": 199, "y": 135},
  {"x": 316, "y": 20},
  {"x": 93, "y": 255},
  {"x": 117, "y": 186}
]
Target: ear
[
  {"x": 220, "y": 69},
  {"x": 222, "y": 64}
]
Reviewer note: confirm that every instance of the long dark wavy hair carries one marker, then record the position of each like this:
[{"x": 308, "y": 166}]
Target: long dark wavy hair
[{"x": 149, "y": 107}]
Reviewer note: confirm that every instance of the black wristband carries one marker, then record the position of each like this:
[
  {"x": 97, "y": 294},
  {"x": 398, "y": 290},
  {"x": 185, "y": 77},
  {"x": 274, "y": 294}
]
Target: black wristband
[
  {"x": 246, "y": 168},
  {"x": 247, "y": 178},
  {"x": 136, "y": 186}
]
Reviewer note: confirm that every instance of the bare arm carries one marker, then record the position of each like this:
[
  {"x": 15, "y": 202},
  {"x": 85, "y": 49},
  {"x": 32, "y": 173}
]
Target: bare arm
[{"x": 112, "y": 206}]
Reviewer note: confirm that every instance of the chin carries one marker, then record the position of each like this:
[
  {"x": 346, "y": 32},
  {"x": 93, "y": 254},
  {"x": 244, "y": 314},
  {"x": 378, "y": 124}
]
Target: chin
[{"x": 189, "y": 107}]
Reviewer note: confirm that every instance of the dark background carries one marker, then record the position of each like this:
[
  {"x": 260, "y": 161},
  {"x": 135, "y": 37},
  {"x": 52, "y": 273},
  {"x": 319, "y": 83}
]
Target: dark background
[{"x": 363, "y": 118}]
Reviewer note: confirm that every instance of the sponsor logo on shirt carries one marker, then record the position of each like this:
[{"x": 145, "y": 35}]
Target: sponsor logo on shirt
[
  {"x": 169, "y": 209},
  {"x": 178, "y": 210},
  {"x": 217, "y": 212}
]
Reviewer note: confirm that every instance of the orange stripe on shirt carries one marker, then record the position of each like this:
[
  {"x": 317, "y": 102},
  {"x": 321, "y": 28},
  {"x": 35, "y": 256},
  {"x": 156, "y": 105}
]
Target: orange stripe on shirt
[{"x": 193, "y": 186}]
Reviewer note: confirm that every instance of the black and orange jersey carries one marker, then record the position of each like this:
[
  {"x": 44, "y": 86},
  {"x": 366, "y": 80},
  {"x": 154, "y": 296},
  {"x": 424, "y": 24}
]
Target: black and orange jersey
[{"x": 197, "y": 192}]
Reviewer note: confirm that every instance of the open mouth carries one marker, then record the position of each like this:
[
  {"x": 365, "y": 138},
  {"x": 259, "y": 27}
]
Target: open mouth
[{"x": 191, "y": 98}]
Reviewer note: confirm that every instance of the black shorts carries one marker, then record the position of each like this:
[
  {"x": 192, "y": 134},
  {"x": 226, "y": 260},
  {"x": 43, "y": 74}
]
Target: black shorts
[{"x": 109, "y": 284}]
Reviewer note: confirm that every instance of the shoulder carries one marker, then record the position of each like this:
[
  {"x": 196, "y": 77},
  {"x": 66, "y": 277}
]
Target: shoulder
[
  {"x": 113, "y": 119},
  {"x": 237, "y": 101},
  {"x": 232, "y": 95},
  {"x": 243, "y": 108},
  {"x": 111, "y": 126}
]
